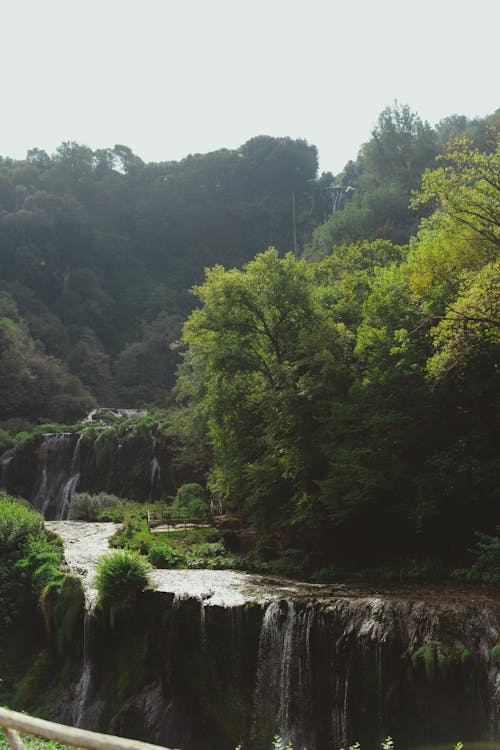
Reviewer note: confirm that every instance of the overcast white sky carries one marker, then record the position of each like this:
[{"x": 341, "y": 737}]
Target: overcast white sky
[{"x": 173, "y": 77}]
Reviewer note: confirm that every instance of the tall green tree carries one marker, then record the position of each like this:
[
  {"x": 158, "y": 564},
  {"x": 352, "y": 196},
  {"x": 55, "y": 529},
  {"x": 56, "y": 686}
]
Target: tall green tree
[{"x": 259, "y": 347}]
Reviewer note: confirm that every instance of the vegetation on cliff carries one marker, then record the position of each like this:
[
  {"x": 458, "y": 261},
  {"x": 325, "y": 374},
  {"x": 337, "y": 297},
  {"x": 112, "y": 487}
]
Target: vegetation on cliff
[{"x": 41, "y": 606}]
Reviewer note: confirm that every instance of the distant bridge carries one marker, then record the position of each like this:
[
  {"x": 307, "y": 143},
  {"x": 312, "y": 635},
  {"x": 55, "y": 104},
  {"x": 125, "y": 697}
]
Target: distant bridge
[{"x": 13, "y": 722}]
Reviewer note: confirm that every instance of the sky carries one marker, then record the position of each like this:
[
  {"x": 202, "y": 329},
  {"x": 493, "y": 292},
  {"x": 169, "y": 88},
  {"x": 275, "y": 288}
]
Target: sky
[{"x": 173, "y": 77}]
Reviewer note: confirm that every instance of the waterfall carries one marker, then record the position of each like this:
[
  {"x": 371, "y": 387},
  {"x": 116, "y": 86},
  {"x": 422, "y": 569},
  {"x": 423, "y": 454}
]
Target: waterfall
[
  {"x": 203, "y": 631},
  {"x": 335, "y": 198},
  {"x": 59, "y": 475},
  {"x": 5, "y": 460},
  {"x": 360, "y": 668},
  {"x": 66, "y": 492},
  {"x": 82, "y": 688},
  {"x": 283, "y": 687},
  {"x": 154, "y": 471}
]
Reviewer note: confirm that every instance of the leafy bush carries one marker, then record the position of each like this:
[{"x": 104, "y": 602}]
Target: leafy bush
[
  {"x": 134, "y": 534},
  {"x": 6, "y": 440},
  {"x": 162, "y": 556},
  {"x": 191, "y": 499},
  {"x": 41, "y": 561},
  {"x": 486, "y": 567},
  {"x": 121, "y": 576},
  {"x": 30, "y": 558},
  {"x": 87, "y": 507},
  {"x": 17, "y": 525}
]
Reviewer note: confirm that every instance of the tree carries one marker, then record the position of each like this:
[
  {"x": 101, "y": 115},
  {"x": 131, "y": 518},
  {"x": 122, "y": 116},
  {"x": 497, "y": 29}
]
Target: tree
[
  {"x": 259, "y": 351},
  {"x": 455, "y": 271},
  {"x": 389, "y": 166}
]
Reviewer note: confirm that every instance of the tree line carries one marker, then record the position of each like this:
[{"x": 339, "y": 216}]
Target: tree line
[{"x": 350, "y": 404}]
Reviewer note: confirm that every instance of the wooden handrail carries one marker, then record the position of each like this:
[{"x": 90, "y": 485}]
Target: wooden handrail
[
  {"x": 171, "y": 517},
  {"x": 13, "y": 722}
]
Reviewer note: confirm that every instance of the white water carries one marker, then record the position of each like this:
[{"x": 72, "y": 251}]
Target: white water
[
  {"x": 83, "y": 686},
  {"x": 59, "y": 476},
  {"x": 4, "y": 462},
  {"x": 84, "y": 545},
  {"x": 349, "y": 623},
  {"x": 231, "y": 588}
]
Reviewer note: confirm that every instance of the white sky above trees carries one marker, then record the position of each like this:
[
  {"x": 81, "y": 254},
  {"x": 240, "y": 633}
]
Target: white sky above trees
[{"x": 173, "y": 77}]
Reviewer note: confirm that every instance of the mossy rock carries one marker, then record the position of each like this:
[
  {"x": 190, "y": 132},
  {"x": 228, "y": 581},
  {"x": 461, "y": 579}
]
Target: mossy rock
[{"x": 34, "y": 681}]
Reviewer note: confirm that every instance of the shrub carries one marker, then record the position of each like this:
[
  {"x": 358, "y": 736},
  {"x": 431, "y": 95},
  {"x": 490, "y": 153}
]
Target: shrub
[
  {"x": 17, "y": 524},
  {"x": 121, "y": 576},
  {"x": 30, "y": 559},
  {"x": 487, "y": 564},
  {"x": 134, "y": 534},
  {"x": 162, "y": 556},
  {"x": 191, "y": 499},
  {"x": 87, "y": 507},
  {"x": 6, "y": 440},
  {"x": 41, "y": 561}
]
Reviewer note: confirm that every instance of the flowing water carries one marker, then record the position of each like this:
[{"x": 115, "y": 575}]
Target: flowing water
[
  {"x": 84, "y": 544},
  {"x": 5, "y": 461},
  {"x": 83, "y": 686},
  {"x": 59, "y": 474},
  {"x": 320, "y": 665}
]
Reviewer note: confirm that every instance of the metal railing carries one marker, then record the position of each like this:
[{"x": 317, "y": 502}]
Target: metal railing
[{"x": 13, "y": 722}]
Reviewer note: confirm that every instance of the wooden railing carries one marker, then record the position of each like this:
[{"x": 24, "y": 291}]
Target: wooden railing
[
  {"x": 174, "y": 517},
  {"x": 12, "y": 723}
]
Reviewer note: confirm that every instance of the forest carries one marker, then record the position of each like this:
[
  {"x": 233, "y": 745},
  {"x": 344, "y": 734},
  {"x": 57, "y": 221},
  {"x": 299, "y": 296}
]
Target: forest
[{"x": 325, "y": 347}]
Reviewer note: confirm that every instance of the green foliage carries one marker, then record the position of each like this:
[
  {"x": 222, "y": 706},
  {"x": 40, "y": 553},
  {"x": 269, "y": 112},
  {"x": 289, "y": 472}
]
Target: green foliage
[
  {"x": 103, "y": 292},
  {"x": 455, "y": 269},
  {"x": 166, "y": 556},
  {"x": 185, "y": 548},
  {"x": 486, "y": 566},
  {"x": 30, "y": 563},
  {"x": 33, "y": 384},
  {"x": 120, "y": 577},
  {"x": 41, "y": 561},
  {"x": 17, "y": 525},
  {"x": 311, "y": 382},
  {"x": 387, "y": 169},
  {"x": 87, "y": 507},
  {"x": 191, "y": 499},
  {"x": 257, "y": 349},
  {"x": 34, "y": 743},
  {"x": 495, "y": 654},
  {"x": 134, "y": 534}
]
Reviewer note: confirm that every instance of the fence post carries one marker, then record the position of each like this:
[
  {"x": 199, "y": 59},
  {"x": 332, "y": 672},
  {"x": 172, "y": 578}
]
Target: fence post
[{"x": 13, "y": 739}]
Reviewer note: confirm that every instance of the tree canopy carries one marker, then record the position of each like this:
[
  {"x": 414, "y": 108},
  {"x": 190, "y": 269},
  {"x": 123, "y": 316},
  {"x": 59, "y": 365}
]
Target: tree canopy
[{"x": 354, "y": 399}]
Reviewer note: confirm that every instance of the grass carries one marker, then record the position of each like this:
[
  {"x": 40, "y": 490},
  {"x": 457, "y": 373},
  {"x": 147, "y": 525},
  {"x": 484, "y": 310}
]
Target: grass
[
  {"x": 192, "y": 548},
  {"x": 34, "y": 743}
]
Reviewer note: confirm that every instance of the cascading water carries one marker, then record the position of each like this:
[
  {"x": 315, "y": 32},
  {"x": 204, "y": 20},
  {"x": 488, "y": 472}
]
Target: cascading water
[
  {"x": 5, "y": 460},
  {"x": 154, "y": 471},
  {"x": 84, "y": 545},
  {"x": 360, "y": 668},
  {"x": 83, "y": 686},
  {"x": 283, "y": 687},
  {"x": 335, "y": 198},
  {"x": 221, "y": 658},
  {"x": 59, "y": 474}
]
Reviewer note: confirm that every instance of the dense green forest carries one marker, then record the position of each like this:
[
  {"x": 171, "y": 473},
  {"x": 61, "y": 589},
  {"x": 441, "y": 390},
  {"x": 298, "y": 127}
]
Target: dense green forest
[
  {"x": 343, "y": 402},
  {"x": 98, "y": 251}
]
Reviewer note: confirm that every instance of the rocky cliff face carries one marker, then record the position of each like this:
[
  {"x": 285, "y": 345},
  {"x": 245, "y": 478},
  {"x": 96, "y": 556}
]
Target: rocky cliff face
[
  {"x": 126, "y": 459},
  {"x": 320, "y": 672}
]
